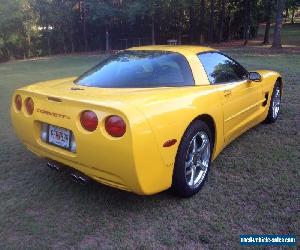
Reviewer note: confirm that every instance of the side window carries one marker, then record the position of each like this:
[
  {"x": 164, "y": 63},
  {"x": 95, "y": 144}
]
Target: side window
[{"x": 221, "y": 69}]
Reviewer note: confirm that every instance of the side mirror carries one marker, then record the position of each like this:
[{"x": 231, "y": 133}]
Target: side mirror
[{"x": 254, "y": 76}]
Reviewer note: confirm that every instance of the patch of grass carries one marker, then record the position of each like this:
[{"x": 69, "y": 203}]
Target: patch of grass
[
  {"x": 253, "y": 186},
  {"x": 290, "y": 33}
]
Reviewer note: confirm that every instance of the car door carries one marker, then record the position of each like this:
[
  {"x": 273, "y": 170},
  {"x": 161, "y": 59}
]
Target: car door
[{"x": 240, "y": 97}]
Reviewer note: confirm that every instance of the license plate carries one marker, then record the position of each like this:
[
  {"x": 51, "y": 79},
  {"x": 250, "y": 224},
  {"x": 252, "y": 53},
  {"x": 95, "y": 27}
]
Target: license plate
[{"x": 60, "y": 137}]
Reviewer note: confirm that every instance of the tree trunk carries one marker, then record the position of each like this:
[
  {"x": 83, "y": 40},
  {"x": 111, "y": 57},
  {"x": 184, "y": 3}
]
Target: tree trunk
[
  {"x": 268, "y": 22},
  {"x": 7, "y": 53},
  {"x": 278, "y": 25},
  {"x": 153, "y": 29},
  {"x": 247, "y": 32},
  {"x": 85, "y": 36},
  {"x": 267, "y": 33},
  {"x": 72, "y": 42},
  {"x": 286, "y": 14},
  {"x": 202, "y": 14},
  {"x": 211, "y": 21},
  {"x": 247, "y": 22},
  {"x": 192, "y": 23},
  {"x": 293, "y": 15},
  {"x": 229, "y": 18},
  {"x": 48, "y": 40},
  {"x": 49, "y": 45},
  {"x": 221, "y": 19},
  {"x": 179, "y": 30},
  {"x": 179, "y": 37},
  {"x": 64, "y": 43},
  {"x": 107, "y": 49},
  {"x": 29, "y": 46},
  {"x": 84, "y": 27}
]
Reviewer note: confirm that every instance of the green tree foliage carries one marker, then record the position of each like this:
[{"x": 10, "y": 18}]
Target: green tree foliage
[
  {"x": 291, "y": 5},
  {"x": 11, "y": 28},
  {"x": 44, "y": 27}
]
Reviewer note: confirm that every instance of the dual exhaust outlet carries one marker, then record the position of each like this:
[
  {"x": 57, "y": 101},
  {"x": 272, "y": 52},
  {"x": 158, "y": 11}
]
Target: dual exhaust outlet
[
  {"x": 79, "y": 178},
  {"x": 54, "y": 166},
  {"x": 76, "y": 177}
]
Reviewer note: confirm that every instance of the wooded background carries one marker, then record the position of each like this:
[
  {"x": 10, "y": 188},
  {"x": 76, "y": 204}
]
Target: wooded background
[{"x": 30, "y": 28}]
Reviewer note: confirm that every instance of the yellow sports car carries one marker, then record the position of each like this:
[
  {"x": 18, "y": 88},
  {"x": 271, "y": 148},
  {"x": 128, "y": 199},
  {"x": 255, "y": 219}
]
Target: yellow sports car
[{"x": 147, "y": 118}]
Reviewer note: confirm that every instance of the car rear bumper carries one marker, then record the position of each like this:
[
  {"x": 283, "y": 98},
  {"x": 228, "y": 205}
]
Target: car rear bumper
[
  {"x": 133, "y": 162},
  {"x": 94, "y": 173}
]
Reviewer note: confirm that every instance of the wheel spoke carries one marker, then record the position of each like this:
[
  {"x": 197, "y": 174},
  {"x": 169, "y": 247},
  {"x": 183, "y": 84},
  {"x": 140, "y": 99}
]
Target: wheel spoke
[
  {"x": 274, "y": 111},
  {"x": 202, "y": 166},
  {"x": 203, "y": 145},
  {"x": 277, "y": 93},
  {"x": 188, "y": 172},
  {"x": 189, "y": 164},
  {"x": 194, "y": 145},
  {"x": 191, "y": 182}
]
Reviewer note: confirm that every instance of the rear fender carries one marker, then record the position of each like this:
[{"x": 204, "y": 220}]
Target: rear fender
[{"x": 170, "y": 121}]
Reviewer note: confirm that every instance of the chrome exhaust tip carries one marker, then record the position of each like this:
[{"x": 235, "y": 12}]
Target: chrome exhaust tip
[
  {"x": 79, "y": 178},
  {"x": 74, "y": 177},
  {"x": 54, "y": 166},
  {"x": 49, "y": 164},
  {"x": 82, "y": 180}
]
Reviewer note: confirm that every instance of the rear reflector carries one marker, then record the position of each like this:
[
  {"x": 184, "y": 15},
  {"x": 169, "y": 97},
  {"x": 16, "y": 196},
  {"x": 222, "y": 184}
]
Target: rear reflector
[
  {"x": 29, "y": 105},
  {"x": 115, "y": 126},
  {"x": 18, "y": 102},
  {"x": 89, "y": 120}
]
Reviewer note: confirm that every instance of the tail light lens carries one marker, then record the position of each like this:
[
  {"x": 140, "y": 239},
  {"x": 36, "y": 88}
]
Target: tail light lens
[
  {"x": 89, "y": 120},
  {"x": 18, "y": 102},
  {"x": 115, "y": 126},
  {"x": 29, "y": 106}
]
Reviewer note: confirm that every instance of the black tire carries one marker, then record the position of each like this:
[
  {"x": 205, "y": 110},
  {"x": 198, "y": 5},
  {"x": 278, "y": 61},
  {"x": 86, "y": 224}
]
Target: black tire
[
  {"x": 271, "y": 117},
  {"x": 180, "y": 183}
]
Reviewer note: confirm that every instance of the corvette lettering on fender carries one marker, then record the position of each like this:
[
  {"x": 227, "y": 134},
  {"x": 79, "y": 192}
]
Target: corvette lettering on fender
[{"x": 57, "y": 115}]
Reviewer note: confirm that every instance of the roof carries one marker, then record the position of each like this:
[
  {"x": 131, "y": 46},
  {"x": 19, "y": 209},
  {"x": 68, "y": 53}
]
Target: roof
[{"x": 183, "y": 49}]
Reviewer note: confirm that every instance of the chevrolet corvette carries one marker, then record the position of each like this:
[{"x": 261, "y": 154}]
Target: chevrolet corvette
[{"x": 146, "y": 119}]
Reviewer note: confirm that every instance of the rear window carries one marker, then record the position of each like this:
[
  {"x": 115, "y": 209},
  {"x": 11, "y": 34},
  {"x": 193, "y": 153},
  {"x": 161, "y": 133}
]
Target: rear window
[{"x": 139, "y": 69}]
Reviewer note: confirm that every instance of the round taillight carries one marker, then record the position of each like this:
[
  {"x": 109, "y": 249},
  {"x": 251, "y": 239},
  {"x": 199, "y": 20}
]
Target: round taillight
[
  {"x": 18, "y": 102},
  {"x": 89, "y": 120},
  {"x": 115, "y": 126},
  {"x": 29, "y": 105}
]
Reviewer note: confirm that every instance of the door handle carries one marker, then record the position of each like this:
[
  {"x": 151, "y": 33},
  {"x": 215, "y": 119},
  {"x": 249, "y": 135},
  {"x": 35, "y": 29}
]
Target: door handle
[{"x": 227, "y": 93}]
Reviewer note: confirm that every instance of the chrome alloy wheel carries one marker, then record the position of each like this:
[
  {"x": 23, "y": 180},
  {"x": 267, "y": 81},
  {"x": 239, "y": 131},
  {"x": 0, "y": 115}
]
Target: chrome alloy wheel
[
  {"x": 276, "y": 102},
  {"x": 197, "y": 159}
]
